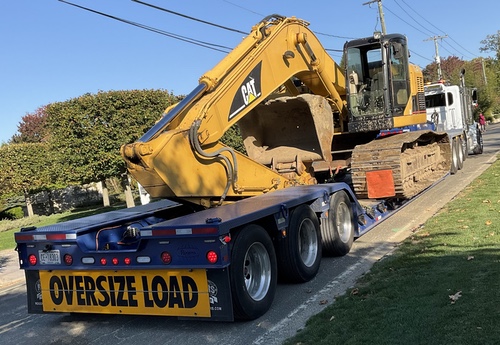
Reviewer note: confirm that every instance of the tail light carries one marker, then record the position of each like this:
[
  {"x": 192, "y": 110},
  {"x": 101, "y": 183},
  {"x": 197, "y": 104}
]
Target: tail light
[
  {"x": 212, "y": 257},
  {"x": 166, "y": 258},
  {"x": 68, "y": 259},
  {"x": 32, "y": 259}
]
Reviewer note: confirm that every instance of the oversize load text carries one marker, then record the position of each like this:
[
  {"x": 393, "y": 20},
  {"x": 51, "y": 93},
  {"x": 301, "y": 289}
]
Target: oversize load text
[{"x": 123, "y": 291}]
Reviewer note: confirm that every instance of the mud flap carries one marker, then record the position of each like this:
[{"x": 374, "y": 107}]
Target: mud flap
[
  {"x": 34, "y": 292},
  {"x": 221, "y": 306}
]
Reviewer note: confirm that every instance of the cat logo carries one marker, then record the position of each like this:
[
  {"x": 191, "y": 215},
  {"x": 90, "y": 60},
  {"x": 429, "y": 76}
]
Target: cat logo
[{"x": 248, "y": 92}]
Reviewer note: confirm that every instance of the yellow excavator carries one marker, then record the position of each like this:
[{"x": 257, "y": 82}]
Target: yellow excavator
[{"x": 303, "y": 120}]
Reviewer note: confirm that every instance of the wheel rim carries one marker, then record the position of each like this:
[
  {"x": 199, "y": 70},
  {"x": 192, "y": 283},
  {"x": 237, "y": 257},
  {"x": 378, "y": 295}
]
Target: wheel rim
[
  {"x": 308, "y": 242},
  {"x": 460, "y": 150},
  {"x": 257, "y": 271},
  {"x": 454, "y": 154},
  {"x": 343, "y": 219}
]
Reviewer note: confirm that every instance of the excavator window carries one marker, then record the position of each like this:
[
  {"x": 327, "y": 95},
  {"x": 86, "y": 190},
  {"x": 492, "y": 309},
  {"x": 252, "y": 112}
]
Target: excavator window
[
  {"x": 366, "y": 80},
  {"x": 398, "y": 60}
]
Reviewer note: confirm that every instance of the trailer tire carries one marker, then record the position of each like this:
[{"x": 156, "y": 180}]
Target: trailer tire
[
  {"x": 253, "y": 272},
  {"x": 337, "y": 230},
  {"x": 454, "y": 157},
  {"x": 300, "y": 251},
  {"x": 479, "y": 148},
  {"x": 466, "y": 146},
  {"x": 460, "y": 152}
]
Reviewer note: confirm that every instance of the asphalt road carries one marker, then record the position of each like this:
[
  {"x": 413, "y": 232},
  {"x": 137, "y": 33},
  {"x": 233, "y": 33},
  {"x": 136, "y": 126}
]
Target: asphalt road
[{"x": 293, "y": 304}]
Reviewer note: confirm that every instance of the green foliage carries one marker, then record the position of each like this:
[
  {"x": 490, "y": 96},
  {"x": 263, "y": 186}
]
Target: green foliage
[
  {"x": 25, "y": 168},
  {"x": 13, "y": 213},
  {"x": 232, "y": 138},
  {"x": 491, "y": 44},
  {"x": 87, "y": 132}
]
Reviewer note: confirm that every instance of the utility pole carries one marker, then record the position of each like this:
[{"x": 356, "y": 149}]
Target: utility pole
[
  {"x": 484, "y": 72},
  {"x": 380, "y": 13},
  {"x": 438, "y": 59}
]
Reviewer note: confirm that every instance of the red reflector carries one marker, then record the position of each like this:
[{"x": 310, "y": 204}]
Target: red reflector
[
  {"x": 56, "y": 237},
  {"x": 32, "y": 259},
  {"x": 127, "y": 261},
  {"x": 115, "y": 261},
  {"x": 166, "y": 258},
  {"x": 212, "y": 257},
  {"x": 68, "y": 259},
  {"x": 104, "y": 261}
]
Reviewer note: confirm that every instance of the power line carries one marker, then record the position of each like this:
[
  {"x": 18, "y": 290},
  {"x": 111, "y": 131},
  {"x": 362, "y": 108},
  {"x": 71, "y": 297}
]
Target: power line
[
  {"x": 401, "y": 7},
  {"x": 189, "y": 17},
  {"x": 162, "y": 32},
  {"x": 434, "y": 26},
  {"x": 404, "y": 21},
  {"x": 224, "y": 27},
  {"x": 334, "y": 36},
  {"x": 244, "y": 8},
  {"x": 423, "y": 57},
  {"x": 419, "y": 16}
]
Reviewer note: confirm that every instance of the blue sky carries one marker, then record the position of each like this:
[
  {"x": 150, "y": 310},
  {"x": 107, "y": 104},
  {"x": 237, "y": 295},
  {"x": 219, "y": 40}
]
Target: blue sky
[{"x": 53, "y": 52}]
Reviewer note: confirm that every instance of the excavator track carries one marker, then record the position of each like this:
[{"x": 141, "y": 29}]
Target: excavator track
[{"x": 417, "y": 160}]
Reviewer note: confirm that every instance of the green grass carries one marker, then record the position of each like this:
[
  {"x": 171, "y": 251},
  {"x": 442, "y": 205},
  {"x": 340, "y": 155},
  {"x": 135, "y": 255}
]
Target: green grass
[
  {"x": 9, "y": 227},
  {"x": 405, "y": 298}
]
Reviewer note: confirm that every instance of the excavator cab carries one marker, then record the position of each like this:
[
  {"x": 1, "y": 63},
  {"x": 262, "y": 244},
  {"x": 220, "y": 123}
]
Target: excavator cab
[{"x": 378, "y": 82}]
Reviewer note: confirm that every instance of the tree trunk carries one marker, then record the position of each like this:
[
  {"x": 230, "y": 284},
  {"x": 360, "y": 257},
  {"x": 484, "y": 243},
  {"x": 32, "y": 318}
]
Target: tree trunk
[
  {"x": 129, "y": 198},
  {"x": 105, "y": 194},
  {"x": 29, "y": 205}
]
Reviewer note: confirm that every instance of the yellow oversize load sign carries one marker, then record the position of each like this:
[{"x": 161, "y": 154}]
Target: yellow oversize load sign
[{"x": 159, "y": 292}]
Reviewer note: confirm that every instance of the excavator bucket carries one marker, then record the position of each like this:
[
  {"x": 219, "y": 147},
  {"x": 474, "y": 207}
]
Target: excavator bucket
[{"x": 289, "y": 129}]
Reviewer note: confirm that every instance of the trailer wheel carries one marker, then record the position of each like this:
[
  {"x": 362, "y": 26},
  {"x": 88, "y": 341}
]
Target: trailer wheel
[
  {"x": 253, "y": 272},
  {"x": 465, "y": 146},
  {"x": 454, "y": 157},
  {"x": 479, "y": 148},
  {"x": 299, "y": 253},
  {"x": 460, "y": 153},
  {"x": 337, "y": 230}
]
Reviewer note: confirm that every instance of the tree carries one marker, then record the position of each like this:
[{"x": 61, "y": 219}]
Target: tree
[
  {"x": 25, "y": 169},
  {"x": 491, "y": 44},
  {"x": 32, "y": 128},
  {"x": 87, "y": 132},
  {"x": 450, "y": 67}
]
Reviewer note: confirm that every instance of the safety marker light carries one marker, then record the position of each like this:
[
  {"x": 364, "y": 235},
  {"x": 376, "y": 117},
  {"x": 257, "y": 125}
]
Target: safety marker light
[
  {"x": 115, "y": 261},
  {"x": 166, "y": 258},
  {"x": 68, "y": 259},
  {"x": 32, "y": 259},
  {"x": 104, "y": 261},
  {"x": 127, "y": 261},
  {"x": 212, "y": 257}
]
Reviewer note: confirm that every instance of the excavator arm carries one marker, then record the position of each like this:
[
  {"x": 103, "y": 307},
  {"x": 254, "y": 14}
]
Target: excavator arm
[{"x": 181, "y": 155}]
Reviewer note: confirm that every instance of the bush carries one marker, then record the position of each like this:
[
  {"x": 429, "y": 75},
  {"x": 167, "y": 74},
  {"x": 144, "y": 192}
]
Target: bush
[{"x": 12, "y": 213}]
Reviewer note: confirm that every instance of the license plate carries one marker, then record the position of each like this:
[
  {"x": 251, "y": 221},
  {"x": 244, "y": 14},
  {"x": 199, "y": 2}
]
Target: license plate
[
  {"x": 50, "y": 257},
  {"x": 175, "y": 292}
]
